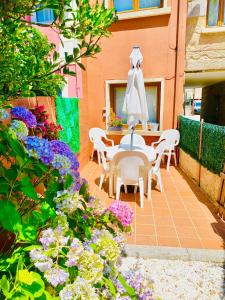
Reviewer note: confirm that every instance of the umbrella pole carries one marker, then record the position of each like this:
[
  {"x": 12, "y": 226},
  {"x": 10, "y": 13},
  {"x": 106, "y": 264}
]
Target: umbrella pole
[{"x": 131, "y": 140}]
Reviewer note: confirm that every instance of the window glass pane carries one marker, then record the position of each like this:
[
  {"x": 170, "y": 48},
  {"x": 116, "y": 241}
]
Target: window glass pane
[
  {"x": 123, "y": 5},
  {"x": 45, "y": 16},
  {"x": 149, "y": 3},
  {"x": 213, "y": 12},
  {"x": 151, "y": 95},
  {"x": 119, "y": 95}
]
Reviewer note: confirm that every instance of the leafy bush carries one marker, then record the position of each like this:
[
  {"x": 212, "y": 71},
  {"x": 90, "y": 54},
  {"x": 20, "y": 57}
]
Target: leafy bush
[
  {"x": 213, "y": 143},
  {"x": 63, "y": 243}
]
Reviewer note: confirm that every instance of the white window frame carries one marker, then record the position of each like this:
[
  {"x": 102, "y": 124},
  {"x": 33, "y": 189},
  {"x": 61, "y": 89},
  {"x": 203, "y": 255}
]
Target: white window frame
[{"x": 108, "y": 83}]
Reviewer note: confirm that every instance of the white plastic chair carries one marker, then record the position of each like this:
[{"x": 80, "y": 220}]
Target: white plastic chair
[
  {"x": 131, "y": 169},
  {"x": 137, "y": 139},
  {"x": 156, "y": 168},
  {"x": 96, "y": 134},
  {"x": 103, "y": 162},
  {"x": 172, "y": 138}
]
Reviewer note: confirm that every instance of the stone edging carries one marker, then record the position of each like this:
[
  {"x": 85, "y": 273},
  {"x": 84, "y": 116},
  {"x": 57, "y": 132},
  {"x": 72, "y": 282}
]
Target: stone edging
[{"x": 173, "y": 253}]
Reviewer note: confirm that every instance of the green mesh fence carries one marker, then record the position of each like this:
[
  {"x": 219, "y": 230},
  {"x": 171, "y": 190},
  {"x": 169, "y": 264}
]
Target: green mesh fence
[
  {"x": 213, "y": 143},
  {"x": 67, "y": 115},
  {"x": 189, "y": 136}
]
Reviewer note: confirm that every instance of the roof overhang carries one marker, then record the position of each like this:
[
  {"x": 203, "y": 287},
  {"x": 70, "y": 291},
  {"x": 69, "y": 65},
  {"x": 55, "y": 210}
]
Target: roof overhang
[{"x": 203, "y": 78}]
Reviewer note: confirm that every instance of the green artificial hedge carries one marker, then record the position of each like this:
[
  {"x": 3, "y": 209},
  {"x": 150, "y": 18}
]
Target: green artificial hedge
[
  {"x": 213, "y": 143},
  {"x": 213, "y": 147},
  {"x": 67, "y": 115},
  {"x": 189, "y": 136}
]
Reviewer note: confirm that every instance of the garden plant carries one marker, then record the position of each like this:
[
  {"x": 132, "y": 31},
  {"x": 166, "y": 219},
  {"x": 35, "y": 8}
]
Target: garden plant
[{"x": 56, "y": 241}]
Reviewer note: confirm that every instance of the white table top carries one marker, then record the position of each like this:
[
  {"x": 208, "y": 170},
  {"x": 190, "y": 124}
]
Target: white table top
[{"x": 149, "y": 151}]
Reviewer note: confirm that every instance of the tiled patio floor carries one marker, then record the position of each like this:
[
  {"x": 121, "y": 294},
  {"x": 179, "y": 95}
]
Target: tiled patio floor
[{"x": 180, "y": 216}]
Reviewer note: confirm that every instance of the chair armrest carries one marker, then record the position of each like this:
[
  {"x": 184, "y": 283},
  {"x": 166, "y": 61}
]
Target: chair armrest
[
  {"x": 109, "y": 141},
  {"x": 155, "y": 143}
]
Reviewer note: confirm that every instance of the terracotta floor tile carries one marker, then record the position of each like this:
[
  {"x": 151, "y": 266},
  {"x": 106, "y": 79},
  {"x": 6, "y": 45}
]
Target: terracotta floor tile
[
  {"x": 182, "y": 222},
  {"x": 164, "y": 231},
  {"x": 181, "y": 210},
  {"x": 168, "y": 241},
  {"x": 186, "y": 232},
  {"x": 146, "y": 240},
  {"x": 163, "y": 220},
  {"x": 161, "y": 211},
  {"x": 213, "y": 243},
  {"x": 190, "y": 242},
  {"x": 144, "y": 219},
  {"x": 145, "y": 229},
  {"x": 144, "y": 210}
]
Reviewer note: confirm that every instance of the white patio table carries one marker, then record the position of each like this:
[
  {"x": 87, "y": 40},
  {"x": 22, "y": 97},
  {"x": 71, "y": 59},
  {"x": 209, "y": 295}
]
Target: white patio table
[{"x": 149, "y": 151}]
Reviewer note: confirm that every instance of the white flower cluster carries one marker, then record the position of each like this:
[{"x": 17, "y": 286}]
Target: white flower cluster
[
  {"x": 68, "y": 201},
  {"x": 79, "y": 290}
]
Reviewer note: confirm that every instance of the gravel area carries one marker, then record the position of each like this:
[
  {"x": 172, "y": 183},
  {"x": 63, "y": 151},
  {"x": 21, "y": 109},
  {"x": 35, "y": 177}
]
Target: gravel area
[{"x": 186, "y": 280}]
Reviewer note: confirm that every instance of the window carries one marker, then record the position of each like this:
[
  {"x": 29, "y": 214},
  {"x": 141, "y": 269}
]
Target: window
[
  {"x": 117, "y": 94},
  {"x": 44, "y": 16},
  {"x": 216, "y": 13},
  {"x": 132, "y": 5}
]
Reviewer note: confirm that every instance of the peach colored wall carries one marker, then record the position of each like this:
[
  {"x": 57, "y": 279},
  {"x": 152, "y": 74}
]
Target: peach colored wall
[{"x": 156, "y": 36}]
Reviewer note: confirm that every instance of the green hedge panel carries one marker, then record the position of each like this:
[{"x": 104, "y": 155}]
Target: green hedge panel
[
  {"x": 67, "y": 115},
  {"x": 189, "y": 136},
  {"x": 213, "y": 143},
  {"x": 213, "y": 147}
]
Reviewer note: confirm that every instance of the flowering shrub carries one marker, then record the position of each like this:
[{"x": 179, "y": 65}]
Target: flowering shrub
[
  {"x": 20, "y": 129},
  {"x": 122, "y": 211},
  {"x": 48, "y": 130},
  {"x": 63, "y": 243},
  {"x": 23, "y": 114},
  {"x": 3, "y": 114}
]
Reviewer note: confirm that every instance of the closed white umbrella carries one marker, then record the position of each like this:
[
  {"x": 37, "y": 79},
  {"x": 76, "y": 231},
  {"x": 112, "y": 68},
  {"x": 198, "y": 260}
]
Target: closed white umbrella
[{"x": 135, "y": 103}]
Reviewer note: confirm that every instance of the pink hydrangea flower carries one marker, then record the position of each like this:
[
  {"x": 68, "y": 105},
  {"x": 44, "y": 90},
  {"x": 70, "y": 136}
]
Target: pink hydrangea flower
[{"x": 122, "y": 211}]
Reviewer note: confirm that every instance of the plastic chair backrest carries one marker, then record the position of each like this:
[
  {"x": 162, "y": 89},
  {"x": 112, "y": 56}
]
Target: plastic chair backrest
[
  {"x": 101, "y": 148},
  {"x": 96, "y": 133},
  {"x": 159, "y": 151},
  {"x": 137, "y": 139},
  {"x": 172, "y": 137},
  {"x": 128, "y": 164}
]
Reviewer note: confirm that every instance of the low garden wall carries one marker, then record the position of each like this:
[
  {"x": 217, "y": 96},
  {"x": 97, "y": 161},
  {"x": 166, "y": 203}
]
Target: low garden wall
[{"x": 202, "y": 154}]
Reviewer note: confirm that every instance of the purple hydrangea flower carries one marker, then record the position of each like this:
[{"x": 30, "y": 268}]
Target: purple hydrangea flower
[
  {"x": 61, "y": 148},
  {"x": 23, "y": 114},
  {"x": 40, "y": 148}
]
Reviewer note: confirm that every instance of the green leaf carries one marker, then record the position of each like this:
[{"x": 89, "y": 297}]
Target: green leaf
[
  {"x": 9, "y": 217},
  {"x": 81, "y": 66},
  {"x": 31, "y": 282},
  {"x": 129, "y": 289},
  {"x": 4, "y": 285},
  {"x": 28, "y": 189},
  {"x": 110, "y": 285},
  {"x": 4, "y": 186},
  {"x": 69, "y": 180}
]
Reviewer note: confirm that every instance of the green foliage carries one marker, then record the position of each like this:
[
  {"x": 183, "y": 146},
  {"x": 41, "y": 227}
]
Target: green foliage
[
  {"x": 20, "y": 176},
  {"x": 24, "y": 63},
  {"x": 189, "y": 136},
  {"x": 213, "y": 147},
  {"x": 213, "y": 143},
  {"x": 67, "y": 113},
  {"x": 28, "y": 62}
]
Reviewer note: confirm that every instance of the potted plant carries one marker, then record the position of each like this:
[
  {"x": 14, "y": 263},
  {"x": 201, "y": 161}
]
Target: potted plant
[{"x": 115, "y": 123}]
